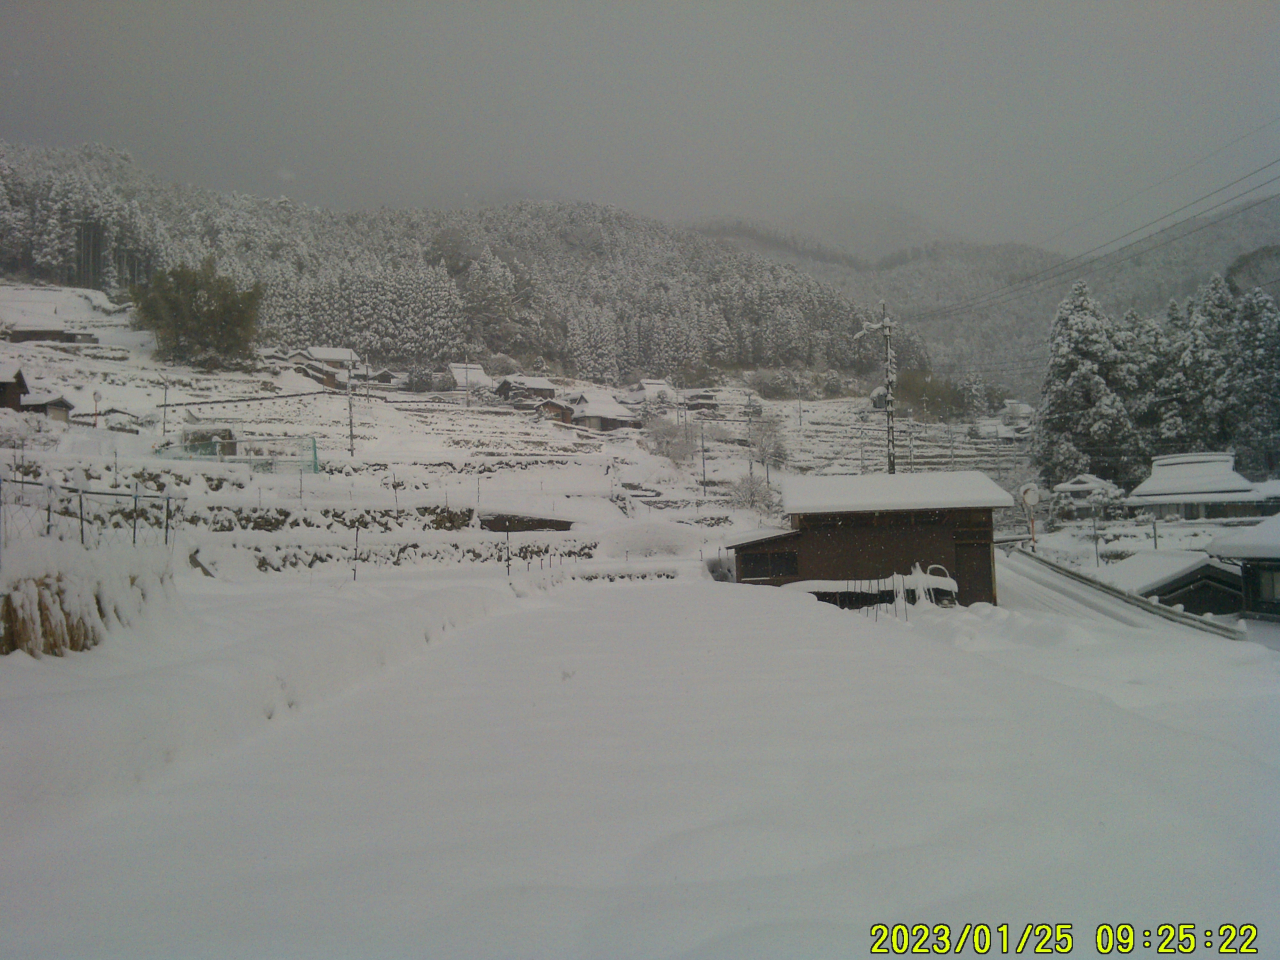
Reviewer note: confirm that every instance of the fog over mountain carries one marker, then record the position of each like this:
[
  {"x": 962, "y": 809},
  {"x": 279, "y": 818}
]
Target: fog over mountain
[{"x": 1000, "y": 122}]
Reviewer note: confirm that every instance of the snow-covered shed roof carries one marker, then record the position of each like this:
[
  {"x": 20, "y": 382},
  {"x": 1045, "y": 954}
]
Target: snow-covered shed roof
[
  {"x": 333, "y": 354},
  {"x": 9, "y": 370},
  {"x": 1146, "y": 572},
  {"x": 529, "y": 383},
  {"x": 468, "y": 375},
  {"x": 1182, "y": 474},
  {"x": 1253, "y": 543},
  {"x": 45, "y": 398},
  {"x": 889, "y": 492},
  {"x": 543, "y": 507}
]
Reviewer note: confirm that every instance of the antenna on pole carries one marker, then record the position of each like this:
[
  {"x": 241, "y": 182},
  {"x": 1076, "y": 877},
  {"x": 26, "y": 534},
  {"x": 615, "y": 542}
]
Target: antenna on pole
[{"x": 886, "y": 326}]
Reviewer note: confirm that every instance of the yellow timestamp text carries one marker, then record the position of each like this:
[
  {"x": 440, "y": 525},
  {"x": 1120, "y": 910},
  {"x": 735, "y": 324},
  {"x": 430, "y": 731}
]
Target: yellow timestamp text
[{"x": 1165, "y": 939}]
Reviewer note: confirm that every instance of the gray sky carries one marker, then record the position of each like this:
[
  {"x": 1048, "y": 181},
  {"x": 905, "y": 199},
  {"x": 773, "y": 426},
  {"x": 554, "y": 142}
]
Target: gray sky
[{"x": 998, "y": 121}]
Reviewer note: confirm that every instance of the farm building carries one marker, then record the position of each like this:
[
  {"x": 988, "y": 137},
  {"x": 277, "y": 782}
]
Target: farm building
[
  {"x": 518, "y": 385},
  {"x": 52, "y": 405},
  {"x": 469, "y": 376},
  {"x": 12, "y": 385},
  {"x": 1257, "y": 550},
  {"x": 1196, "y": 486},
  {"x": 850, "y": 532}
]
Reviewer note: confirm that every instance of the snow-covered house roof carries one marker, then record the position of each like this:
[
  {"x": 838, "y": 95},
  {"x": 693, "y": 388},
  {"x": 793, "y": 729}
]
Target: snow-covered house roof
[
  {"x": 1269, "y": 489},
  {"x": 599, "y": 404},
  {"x": 885, "y": 492},
  {"x": 1192, "y": 478},
  {"x": 1253, "y": 543},
  {"x": 652, "y": 390},
  {"x": 1083, "y": 484},
  {"x": 10, "y": 370},
  {"x": 333, "y": 354},
  {"x": 468, "y": 375}
]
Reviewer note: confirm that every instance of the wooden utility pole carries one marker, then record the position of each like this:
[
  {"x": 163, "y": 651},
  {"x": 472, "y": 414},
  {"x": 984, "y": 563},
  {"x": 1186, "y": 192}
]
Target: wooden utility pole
[
  {"x": 885, "y": 326},
  {"x": 351, "y": 419}
]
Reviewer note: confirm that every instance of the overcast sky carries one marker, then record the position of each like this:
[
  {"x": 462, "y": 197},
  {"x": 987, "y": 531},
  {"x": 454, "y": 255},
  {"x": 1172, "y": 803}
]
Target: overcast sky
[{"x": 998, "y": 121}]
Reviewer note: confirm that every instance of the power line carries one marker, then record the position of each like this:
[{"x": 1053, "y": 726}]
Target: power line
[
  {"x": 1048, "y": 274},
  {"x": 1160, "y": 183},
  {"x": 1011, "y": 293}
]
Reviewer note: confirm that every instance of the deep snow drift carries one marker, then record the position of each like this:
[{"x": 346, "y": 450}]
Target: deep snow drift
[{"x": 670, "y": 769}]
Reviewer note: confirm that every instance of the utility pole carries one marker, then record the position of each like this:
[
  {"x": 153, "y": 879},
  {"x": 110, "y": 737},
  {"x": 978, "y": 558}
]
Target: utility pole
[
  {"x": 885, "y": 326},
  {"x": 351, "y": 419},
  {"x": 164, "y": 411},
  {"x": 702, "y": 429}
]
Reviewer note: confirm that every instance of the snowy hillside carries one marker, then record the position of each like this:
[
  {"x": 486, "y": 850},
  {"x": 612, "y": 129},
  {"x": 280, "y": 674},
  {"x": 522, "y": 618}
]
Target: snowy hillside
[{"x": 586, "y": 289}]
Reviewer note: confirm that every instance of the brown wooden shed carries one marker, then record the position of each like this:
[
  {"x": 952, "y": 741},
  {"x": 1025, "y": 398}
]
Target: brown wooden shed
[
  {"x": 867, "y": 529},
  {"x": 12, "y": 385}
]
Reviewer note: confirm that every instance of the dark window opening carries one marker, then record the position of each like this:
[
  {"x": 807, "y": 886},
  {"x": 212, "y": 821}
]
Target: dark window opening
[{"x": 754, "y": 566}]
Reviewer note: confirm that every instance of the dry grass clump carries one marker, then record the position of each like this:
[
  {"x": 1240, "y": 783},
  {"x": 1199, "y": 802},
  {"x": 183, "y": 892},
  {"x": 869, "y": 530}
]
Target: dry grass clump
[{"x": 48, "y": 615}]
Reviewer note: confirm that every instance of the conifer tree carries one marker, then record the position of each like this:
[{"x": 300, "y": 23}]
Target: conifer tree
[{"x": 1082, "y": 423}]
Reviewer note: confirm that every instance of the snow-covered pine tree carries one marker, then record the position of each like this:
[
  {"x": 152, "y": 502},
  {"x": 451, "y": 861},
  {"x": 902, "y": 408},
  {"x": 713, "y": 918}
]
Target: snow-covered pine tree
[
  {"x": 1253, "y": 403},
  {"x": 1194, "y": 391},
  {"x": 1082, "y": 423}
]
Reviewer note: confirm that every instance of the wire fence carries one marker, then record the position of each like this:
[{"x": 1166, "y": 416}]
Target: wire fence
[{"x": 31, "y": 510}]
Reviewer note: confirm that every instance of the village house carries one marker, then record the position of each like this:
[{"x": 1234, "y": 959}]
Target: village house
[
  {"x": 697, "y": 400},
  {"x": 652, "y": 391},
  {"x": 599, "y": 411},
  {"x": 470, "y": 376},
  {"x": 519, "y": 385},
  {"x": 340, "y": 358},
  {"x": 850, "y": 536},
  {"x": 12, "y": 385},
  {"x": 1196, "y": 486},
  {"x": 1257, "y": 550}
]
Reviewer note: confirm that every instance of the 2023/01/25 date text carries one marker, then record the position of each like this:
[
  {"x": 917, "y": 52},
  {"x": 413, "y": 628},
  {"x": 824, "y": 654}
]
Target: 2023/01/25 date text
[{"x": 1057, "y": 938}]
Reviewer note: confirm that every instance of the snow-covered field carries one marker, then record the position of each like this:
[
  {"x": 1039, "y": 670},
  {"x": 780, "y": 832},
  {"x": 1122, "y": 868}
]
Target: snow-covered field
[
  {"x": 440, "y": 741},
  {"x": 669, "y": 769}
]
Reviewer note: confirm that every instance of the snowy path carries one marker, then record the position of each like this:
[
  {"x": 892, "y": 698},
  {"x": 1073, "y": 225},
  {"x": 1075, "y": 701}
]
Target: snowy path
[
  {"x": 1030, "y": 587},
  {"x": 689, "y": 770}
]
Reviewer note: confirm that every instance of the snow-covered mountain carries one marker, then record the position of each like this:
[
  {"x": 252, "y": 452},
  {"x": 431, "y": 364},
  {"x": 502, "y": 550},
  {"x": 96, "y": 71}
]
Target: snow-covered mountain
[{"x": 584, "y": 288}]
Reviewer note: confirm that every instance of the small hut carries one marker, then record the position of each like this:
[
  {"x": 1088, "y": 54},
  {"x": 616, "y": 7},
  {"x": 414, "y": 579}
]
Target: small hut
[{"x": 849, "y": 536}]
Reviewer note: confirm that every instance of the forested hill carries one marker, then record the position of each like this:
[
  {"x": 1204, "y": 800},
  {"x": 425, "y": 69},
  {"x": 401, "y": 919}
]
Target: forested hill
[
  {"x": 586, "y": 288},
  {"x": 1003, "y": 337}
]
